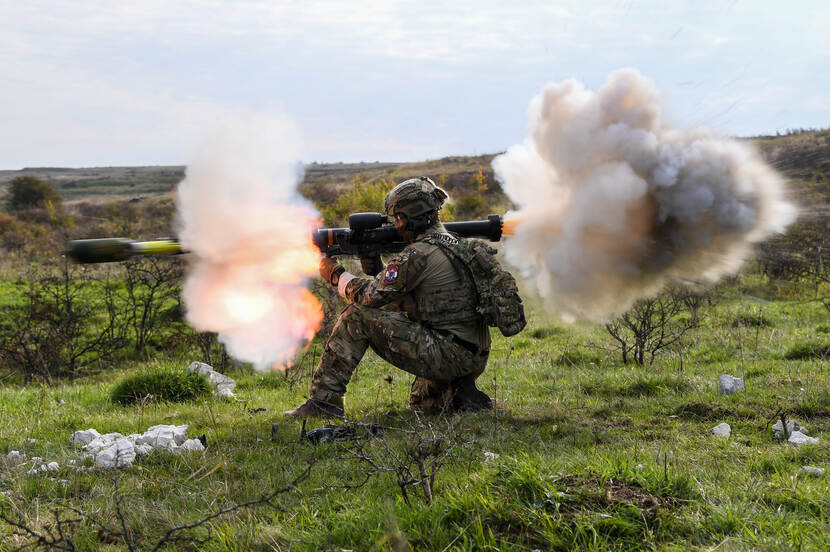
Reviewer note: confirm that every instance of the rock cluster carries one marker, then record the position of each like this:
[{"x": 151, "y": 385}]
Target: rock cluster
[
  {"x": 795, "y": 434},
  {"x": 113, "y": 450}
]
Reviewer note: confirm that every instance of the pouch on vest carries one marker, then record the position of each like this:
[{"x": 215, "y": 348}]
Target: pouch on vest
[{"x": 498, "y": 295}]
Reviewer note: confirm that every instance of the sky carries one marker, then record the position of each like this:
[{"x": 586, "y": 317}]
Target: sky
[{"x": 109, "y": 83}]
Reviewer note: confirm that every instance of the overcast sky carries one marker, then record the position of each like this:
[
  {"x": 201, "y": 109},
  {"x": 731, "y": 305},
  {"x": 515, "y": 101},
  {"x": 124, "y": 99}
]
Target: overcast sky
[{"x": 93, "y": 83}]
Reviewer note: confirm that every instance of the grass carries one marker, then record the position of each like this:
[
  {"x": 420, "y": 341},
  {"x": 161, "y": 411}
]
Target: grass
[
  {"x": 592, "y": 454},
  {"x": 159, "y": 384}
]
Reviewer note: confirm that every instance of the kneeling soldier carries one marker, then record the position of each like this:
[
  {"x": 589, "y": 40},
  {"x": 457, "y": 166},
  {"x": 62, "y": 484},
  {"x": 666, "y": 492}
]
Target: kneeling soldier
[{"x": 438, "y": 334}]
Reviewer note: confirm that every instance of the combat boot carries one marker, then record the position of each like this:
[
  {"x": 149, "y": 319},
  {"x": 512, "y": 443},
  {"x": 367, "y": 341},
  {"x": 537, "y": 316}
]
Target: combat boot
[
  {"x": 430, "y": 397},
  {"x": 466, "y": 397},
  {"x": 316, "y": 408}
]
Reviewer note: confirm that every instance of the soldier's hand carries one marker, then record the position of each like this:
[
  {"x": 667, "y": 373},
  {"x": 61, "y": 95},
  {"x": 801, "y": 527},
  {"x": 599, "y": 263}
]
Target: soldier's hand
[
  {"x": 330, "y": 270},
  {"x": 371, "y": 265}
]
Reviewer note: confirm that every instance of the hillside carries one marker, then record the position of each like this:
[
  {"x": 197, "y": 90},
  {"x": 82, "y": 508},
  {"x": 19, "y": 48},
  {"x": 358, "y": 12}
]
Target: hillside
[{"x": 803, "y": 158}]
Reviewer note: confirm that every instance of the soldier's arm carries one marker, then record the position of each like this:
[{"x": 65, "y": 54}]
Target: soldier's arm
[{"x": 398, "y": 278}]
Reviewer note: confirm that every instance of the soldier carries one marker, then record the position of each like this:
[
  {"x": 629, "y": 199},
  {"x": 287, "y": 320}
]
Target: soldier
[{"x": 436, "y": 333}]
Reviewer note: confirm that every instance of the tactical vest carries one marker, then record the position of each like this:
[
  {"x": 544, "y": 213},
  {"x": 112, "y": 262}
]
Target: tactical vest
[
  {"x": 497, "y": 295},
  {"x": 447, "y": 306}
]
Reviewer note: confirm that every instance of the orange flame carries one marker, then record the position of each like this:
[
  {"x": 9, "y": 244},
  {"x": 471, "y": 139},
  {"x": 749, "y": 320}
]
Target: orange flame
[
  {"x": 508, "y": 226},
  {"x": 253, "y": 291}
]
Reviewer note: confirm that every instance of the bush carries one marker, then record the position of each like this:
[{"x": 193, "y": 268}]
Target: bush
[
  {"x": 363, "y": 197},
  {"x": 160, "y": 385},
  {"x": 30, "y": 192},
  {"x": 64, "y": 324}
]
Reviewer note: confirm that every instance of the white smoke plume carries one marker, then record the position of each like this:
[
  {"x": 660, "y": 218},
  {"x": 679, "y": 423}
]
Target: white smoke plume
[
  {"x": 614, "y": 203},
  {"x": 249, "y": 233}
]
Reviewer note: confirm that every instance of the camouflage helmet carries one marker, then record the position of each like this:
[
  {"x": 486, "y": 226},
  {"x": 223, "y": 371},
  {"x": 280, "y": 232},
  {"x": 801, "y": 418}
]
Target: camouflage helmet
[{"x": 415, "y": 197}]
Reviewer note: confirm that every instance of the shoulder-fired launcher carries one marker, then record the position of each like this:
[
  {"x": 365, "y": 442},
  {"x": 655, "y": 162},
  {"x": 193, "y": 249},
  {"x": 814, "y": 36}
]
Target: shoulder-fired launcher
[{"x": 368, "y": 235}]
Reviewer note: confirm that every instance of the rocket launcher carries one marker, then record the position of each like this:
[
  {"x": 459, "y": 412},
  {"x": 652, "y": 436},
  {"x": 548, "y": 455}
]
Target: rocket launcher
[{"x": 368, "y": 235}]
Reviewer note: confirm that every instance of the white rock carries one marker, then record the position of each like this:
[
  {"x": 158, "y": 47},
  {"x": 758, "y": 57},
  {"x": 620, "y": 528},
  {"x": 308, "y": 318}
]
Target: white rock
[
  {"x": 132, "y": 437},
  {"x": 792, "y": 425},
  {"x": 37, "y": 460},
  {"x": 811, "y": 470},
  {"x": 722, "y": 430},
  {"x": 53, "y": 466},
  {"x": 15, "y": 455},
  {"x": 80, "y": 438},
  {"x": 225, "y": 393},
  {"x": 221, "y": 381},
  {"x": 143, "y": 450},
  {"x": 166, "y": 437},
  {"x": 799, "y": 438},
  {"x": 488, "y": 456},
  {"x": 200, "y": 368},
  {"x": 37, "y": 469},
  {"x": 192, "y": 445},
  {"x": 728, "y": 384},
  {"x": 31, "y": 441},
  {"x": 100, "y": 443},
  {"x": 119, "y": 455}
]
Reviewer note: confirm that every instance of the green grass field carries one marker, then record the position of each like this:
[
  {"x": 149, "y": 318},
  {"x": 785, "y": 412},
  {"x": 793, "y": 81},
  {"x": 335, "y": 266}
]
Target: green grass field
[{"x": 592, "y": 454}]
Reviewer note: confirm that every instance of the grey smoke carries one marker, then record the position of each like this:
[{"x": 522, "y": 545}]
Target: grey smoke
[{"x": 615, "y": 203}]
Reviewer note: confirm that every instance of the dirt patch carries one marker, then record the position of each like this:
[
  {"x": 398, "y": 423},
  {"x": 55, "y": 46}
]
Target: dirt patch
[
  {"x": 702, "y": 411},
  {"x": 613, "y": 491}
]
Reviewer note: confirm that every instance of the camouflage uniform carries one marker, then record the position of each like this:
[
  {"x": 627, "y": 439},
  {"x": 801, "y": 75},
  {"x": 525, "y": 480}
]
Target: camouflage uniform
[{"x": 439, "y": 337}]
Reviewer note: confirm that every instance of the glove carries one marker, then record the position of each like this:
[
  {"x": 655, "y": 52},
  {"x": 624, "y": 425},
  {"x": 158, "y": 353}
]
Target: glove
[
  {"x": 330, "y": 270},
  {"x": 371, "y": 265}
]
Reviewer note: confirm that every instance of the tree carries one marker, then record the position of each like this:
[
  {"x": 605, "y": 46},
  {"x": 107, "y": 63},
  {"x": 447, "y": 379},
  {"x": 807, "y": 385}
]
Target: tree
[{"x": 30, "y": 192}]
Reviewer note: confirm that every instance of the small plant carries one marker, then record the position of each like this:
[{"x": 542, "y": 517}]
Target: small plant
[{"x": 160, "y": 384}]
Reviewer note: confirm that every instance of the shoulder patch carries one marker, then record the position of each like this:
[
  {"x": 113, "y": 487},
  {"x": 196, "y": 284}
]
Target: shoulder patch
[{"x": 391, "y": 273}]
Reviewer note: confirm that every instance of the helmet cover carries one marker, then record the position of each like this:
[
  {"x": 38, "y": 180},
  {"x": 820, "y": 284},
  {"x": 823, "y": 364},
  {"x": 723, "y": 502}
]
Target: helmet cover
[{"x": 415, "y": 197}]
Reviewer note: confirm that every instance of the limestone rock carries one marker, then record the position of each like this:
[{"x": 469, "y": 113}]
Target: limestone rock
[
  {"x": 225, "y": 393},
  {"x": 81, "y": 438},
  {"x": 223, "y": 384},
  {"x": 812, "y": 470},
  {"x": 118, "y": 455},
  {"x": 722, "y": 430},
  {"x": 728, "y": 384},
  {"x": 792, "y": 425},
  {"x": 192, "y": 445},
  {"x": 799, "y": 438},
  {"x": 165, "y": 437}
]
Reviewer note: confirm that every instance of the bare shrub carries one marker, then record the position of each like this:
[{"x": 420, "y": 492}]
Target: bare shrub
[
  {"x": 61, "y": 532},
  {"x": 152, "y": 288},
  {"x": 413, "y": 461},
  {"x": 655, "y": 323},
  {"x": 65, "y": 322}
]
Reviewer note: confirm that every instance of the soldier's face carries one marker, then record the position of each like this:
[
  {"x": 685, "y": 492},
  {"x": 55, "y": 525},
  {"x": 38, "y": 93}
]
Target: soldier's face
[{"x": 400, "y": 222}]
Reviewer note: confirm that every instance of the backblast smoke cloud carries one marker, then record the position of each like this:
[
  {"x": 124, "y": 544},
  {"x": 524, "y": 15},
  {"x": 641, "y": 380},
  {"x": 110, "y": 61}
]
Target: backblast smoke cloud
[
  {"x": 614, "y": 203},
  {"x": 250, "y": 235}
]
